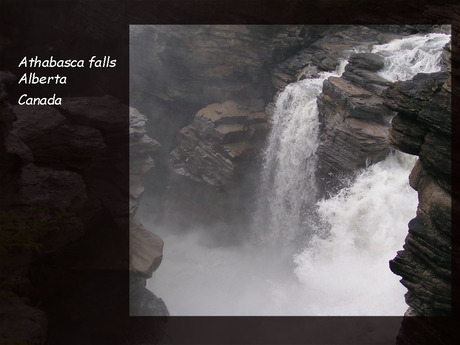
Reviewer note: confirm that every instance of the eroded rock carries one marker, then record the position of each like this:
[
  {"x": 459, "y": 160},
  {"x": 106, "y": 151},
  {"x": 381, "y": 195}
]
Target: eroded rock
[
  {"x": 354, "y": 121},
  {"x": 221, "y": 136}
]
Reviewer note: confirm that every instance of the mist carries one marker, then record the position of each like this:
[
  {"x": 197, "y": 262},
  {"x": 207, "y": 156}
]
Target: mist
[{"x": 271, "y": 241}]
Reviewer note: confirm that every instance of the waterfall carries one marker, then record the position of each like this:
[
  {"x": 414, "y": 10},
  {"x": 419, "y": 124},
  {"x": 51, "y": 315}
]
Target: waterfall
[
  {"x": 288, "y": 188},
  {"x": 340, "y": 270}
]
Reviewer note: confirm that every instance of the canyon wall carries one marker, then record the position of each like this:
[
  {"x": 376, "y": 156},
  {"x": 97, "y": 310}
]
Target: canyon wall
[{"x": 423, "y": 127}]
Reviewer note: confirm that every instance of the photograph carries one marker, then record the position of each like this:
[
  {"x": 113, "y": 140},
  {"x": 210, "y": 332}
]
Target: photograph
[{"x": 269, "y": 169}]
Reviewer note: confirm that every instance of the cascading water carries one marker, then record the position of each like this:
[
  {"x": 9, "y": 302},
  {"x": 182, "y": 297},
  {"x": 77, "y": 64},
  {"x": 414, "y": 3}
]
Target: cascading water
[
  {"x": 341, "y": 271},
  {"x": 288, "y": 188},
  {"x": 415, "y": 54}
]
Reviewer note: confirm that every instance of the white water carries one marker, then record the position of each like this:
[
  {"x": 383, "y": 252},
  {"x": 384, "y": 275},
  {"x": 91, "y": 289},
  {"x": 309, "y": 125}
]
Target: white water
[
  {"x": 288, "y": 188},
  {"x": 341, "y": 269},
  {"x": 345, "y": 274},
  {"x": 415, "y": 54}
]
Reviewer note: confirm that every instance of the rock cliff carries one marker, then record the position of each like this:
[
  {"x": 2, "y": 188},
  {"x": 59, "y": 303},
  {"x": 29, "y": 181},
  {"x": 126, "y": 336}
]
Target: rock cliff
[{"x": 423, "y": 127}]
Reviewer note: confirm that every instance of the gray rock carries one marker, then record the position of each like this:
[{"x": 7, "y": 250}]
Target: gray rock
[{"x": 367, "y": 61}]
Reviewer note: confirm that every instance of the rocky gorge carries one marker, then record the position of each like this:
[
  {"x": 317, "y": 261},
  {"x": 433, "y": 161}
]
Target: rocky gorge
[{"x": 217, "y": 152}]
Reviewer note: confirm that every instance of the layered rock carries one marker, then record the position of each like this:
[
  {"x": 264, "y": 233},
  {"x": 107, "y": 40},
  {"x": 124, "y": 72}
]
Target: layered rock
[
  {"x": 220, "y": 139},
  {"x": 216, "y": 166},
  {"x": 423, "y": 127},
  {"x": 326, "y": 52},
  {"x": 354, "y": 121},
  {"x": 146, "y": 248}
]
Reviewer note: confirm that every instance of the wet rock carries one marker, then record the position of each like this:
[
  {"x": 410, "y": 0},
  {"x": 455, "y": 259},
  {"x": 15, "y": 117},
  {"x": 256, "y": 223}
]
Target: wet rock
[
  {"x": 145, "y": 248},
  {"x": 367, "y": 61},
  {"x": 423, "y": 124}
]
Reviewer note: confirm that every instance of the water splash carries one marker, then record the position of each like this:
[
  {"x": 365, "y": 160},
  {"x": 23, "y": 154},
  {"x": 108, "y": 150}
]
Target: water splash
[
  {"x": 406, "y": 57},
  {"x": 365, "y": 227}
]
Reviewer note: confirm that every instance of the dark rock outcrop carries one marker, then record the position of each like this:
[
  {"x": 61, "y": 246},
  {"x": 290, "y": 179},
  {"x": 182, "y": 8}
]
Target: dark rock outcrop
[{"x": 423, "y": 127}]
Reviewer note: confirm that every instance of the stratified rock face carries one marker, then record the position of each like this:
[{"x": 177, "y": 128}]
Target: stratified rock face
[
  {"x": 141, "y": 147},
  {"x": 423, "y": 127},
  {"x": 354, "y": 121},
  {"x": 221, "y": 137},
  {"x": 423, "y": 124}
]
